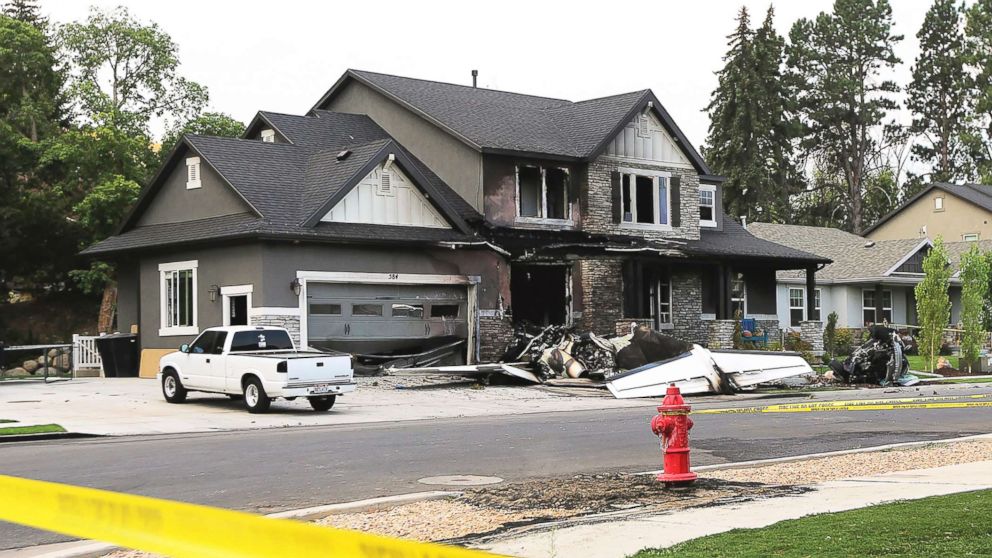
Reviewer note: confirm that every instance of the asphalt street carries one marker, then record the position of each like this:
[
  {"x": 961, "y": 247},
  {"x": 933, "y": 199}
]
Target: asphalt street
[{"x": 273, "y": 470}]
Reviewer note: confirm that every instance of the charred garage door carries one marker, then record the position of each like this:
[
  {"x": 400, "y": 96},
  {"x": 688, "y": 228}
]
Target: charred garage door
[{"x": 385, "y": 319}]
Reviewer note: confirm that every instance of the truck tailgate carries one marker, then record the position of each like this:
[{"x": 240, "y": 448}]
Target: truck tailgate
[{"x": 330, "y": 369}]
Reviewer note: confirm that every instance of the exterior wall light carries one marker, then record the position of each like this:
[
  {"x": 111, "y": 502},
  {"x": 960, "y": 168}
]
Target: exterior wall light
[
  {"x": 212, "y": 292},
  {"x": 296, "y": 286}
]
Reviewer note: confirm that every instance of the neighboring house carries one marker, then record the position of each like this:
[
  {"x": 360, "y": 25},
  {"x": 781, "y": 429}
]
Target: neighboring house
[
  {"x": 955, "y": 212},
  {"x": 400, "y": 213},
  {"x": 867, "y": 282}
]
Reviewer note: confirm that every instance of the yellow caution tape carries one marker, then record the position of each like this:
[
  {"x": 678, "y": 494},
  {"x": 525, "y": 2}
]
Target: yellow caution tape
[
  {"x": 858, "y": 402},
  {"x": 868, "y": 407},
  {"x": 180, "y": 530}
]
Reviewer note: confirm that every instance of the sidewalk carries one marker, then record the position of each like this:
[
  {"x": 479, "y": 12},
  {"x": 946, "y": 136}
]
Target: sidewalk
[{"x": 618, "y": 539}]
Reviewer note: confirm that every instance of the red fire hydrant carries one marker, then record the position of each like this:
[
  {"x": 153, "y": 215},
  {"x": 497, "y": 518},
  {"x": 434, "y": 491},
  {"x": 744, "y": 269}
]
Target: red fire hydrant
[{"x": 673, "y": 424}]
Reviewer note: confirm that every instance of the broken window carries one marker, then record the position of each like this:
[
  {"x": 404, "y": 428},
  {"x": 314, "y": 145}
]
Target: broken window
[
  {"x": 868, "y": 306},
  {"x": 647, "y": 292},
  {"x": 449, "y": 311},
  {"x": 408, "y": 310},
  {"x": 797, "y": 306},
  {"x": 738, "y": 295},
  {"x": 542, "y": 192},
  {"x": 645, "y": 199}
]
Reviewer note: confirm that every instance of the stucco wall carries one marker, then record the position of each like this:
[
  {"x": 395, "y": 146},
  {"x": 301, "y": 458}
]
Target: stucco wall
[
  {"x": 174, "y": 203},
  {"x": 958, "y": 218},
  {"x": 499, "y": 179},
  {"x": 459, "y": 165}
]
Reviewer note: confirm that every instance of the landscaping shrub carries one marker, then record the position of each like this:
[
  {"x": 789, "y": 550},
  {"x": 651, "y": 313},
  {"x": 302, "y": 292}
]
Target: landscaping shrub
[{"x": 844, "y": 341}]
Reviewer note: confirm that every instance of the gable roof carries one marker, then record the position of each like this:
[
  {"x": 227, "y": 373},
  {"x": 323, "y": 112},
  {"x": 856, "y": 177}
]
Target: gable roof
[
  {"x": 495, "y": 121},
  {"x": 978, "y": 194},
  {"x": 853, "y": 257}
]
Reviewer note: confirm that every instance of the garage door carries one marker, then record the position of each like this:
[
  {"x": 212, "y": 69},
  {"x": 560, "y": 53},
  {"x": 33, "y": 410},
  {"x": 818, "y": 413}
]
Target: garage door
[{"x": 392, "y": 319}]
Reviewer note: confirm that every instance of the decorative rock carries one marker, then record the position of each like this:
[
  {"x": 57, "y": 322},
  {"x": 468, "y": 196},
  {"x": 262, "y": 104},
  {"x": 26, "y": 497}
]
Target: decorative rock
[
  {"x": 17, "y": 371},
  {"x": 30, "y": 366},
  {"x": 62, "y": 362},
  {"x": 54, "y": 353}
]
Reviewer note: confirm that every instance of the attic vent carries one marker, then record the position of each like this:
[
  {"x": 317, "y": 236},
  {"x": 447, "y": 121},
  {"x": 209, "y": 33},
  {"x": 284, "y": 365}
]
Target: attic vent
[
  {"x": 342, "y": 155},
  {"x": 192, "y": 173},
  {"x": 869, "y": 244},
  {"x": 268, "y": 136},
  {"x": 385, "y": 184},
  {"x": 643, "y": 126}
]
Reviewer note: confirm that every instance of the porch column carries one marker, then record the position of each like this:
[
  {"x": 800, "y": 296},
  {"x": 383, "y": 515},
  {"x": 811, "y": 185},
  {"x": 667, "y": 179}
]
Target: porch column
[
  {"x": 722, "y": 285},
  {"x": 811, "y": 292},
  {"x": 879, "y": 305}
]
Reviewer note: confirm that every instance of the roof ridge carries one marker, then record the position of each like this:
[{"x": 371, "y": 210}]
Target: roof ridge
[
  {"x": 464, "y": 86},
  {"x": 638, "y": 91},
  {"x": 244, "y": 140}
]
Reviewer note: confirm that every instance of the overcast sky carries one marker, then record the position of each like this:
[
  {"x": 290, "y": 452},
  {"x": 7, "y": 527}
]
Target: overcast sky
[{"x": 282, "y": 56}]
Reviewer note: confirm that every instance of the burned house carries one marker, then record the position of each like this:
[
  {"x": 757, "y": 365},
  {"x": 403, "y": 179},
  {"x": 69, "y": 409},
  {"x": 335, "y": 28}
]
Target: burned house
[{"x": 401, "y": 213}]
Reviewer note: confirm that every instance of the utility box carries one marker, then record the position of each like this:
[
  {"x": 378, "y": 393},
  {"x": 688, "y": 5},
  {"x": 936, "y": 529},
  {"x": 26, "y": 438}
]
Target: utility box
[{"x": 119, "y": 353}]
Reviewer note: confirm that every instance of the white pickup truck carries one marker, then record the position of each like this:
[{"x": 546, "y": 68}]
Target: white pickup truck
[{"x": 257, "y": 364}]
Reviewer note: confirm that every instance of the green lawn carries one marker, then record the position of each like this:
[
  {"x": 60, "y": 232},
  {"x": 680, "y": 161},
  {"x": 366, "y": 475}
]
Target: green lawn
[
  {"x": 954, "y": 525},
  {"x": 35, "y": 429},
  {"x": 916, "y": 362}
]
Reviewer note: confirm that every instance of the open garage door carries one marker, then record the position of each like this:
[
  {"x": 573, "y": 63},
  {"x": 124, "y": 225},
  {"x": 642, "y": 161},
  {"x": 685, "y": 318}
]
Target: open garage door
[{"x": 386, "y": 318}]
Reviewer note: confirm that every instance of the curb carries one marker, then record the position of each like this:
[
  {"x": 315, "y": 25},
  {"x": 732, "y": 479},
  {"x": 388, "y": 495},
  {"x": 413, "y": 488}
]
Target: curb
[
  {"x": 791, "y": 458},
  {"x": 45, "y": 436},
  {"x": 96, "y": 549}
]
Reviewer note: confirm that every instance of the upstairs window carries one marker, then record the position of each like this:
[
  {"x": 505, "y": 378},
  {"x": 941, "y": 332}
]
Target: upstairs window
[
  {"x": 938, "y": 203},
  {"x": 707, "y": 205},
  {"x": 645, "y": 199},
  {"x": 542, "y": 193},
  {"x": 192, "y": 173},
  {"x": 268, "y": 136}
]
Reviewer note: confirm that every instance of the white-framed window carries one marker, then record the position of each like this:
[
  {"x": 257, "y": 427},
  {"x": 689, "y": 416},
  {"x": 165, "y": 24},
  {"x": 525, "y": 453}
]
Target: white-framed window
[
  {"x": 938, "y": 203},
  {"x": 192, "y": 173},
  {"x": 738, "y": 295},
  {"x": 178, "y": 297},
  {"x": 707, "y": 205},
  {"x": 970, "y": 237},
  {"x": 815, "y": 314},
  {"x": 646, "y": 199},
  {"x": 542, "y": 193},
  {"x": 868, "y": 306},
  {"x": 797, "y": 306},
  {"x": 237, "y": 304},
  {"x": 268, "y": 136},
  {"x": 662, "y": 296}
]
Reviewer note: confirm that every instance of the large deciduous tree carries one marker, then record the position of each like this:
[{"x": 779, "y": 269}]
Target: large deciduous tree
[
  {"x": 941, "y": 94},
  {"x": 206, "y": 124},
  {"x": 750, "y": 134},
  {"x": 837, "y": 64},
  {"x": 933, "y": 304}
]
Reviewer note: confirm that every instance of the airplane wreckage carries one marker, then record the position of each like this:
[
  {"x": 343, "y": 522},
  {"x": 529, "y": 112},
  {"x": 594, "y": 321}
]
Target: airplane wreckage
[{"x": 643, "y": 363}]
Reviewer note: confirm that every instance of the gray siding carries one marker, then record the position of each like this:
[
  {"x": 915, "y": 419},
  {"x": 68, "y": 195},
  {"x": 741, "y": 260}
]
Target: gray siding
[
  {"x": 457, "y": 164},
  {"x": 173, "y": 203},
  {"x": 128, "y": 295},
  {"x": 230, "y": 265}
]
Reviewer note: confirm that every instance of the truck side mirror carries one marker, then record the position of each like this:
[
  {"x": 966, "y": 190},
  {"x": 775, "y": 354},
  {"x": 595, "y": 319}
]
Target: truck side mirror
[{"x": 184, "y": 348}]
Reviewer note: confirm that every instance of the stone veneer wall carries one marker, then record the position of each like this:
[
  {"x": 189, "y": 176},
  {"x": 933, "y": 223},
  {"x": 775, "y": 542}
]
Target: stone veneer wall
[
  {"x": 687, "y": 306},
  {"x": 291, "y": 323},
  {"x": 812, "y": 333},
  {"x": 720, "y": 334},
  {"x": 602, "y": 296},
  {"x": 495, "y": 332},
  {"x": 597, "y": 214}
]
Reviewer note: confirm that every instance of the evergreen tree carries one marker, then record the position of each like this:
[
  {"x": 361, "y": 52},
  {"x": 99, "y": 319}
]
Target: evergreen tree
[
  {"x": 978, "y": 30},
  {"x": 941, "y": 94},
  {"x": 749, "y": 138},
  {"x": 933, "y": 304},
  {"x": 27, "y": 11},
  {"x": 836, "y": 65},
  {"x": 974, "y": 290}
]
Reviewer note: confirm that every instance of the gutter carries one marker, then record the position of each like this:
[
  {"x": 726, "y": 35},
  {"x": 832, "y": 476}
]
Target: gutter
[{"x": 455, "y": 244}]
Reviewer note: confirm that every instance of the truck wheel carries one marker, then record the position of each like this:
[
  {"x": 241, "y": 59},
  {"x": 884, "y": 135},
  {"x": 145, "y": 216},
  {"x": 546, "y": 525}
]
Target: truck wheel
[
  {"x": 255, "y": 399},
  {"x": 172, "y": 388},
  {"x": 323, "y": 402}
]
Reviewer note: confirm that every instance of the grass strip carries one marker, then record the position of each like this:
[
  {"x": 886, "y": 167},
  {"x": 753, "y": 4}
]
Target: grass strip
[
  {"x": 33, "y": 429},
  {"x": 952, "y": 525}
]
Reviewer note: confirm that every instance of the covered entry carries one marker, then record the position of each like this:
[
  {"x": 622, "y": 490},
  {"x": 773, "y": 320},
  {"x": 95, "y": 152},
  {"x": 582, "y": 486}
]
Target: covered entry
[
  {"x": 540, "y": 293},
  {"x": 386, "y": 318}
]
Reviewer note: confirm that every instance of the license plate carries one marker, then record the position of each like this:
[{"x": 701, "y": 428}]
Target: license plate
[{"x": 324, "y": 388}]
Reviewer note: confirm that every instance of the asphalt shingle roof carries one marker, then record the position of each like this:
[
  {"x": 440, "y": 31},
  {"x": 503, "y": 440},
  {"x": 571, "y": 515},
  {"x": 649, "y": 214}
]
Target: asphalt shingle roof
[
  {"x": 736, "y": 241},
  {"x": 854, "y": 257}
]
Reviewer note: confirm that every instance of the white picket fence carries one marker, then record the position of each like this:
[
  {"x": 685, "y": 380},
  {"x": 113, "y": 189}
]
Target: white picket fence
[{"x": 84, "y": 353}]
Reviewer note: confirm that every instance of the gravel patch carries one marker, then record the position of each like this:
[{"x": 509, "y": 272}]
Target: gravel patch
[{"x": 836, "y": 467}]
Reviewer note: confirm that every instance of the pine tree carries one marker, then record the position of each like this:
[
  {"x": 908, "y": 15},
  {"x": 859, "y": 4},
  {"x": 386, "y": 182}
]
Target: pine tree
[
  {"x": 27, "y": 11},
  {"x": 749, "y": 141},
  {"x": 837, "y": 63},
  {"x": 978, "y": 31},
  {"x": 941, "y": 94},
  {"x": 933, "y": 304}
]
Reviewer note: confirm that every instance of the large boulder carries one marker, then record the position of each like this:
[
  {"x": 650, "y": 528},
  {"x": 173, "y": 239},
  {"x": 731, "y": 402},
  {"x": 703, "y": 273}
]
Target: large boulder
[
  {"x": 30, "y": 366},
  {"x": 17, "y": 371},
  {"x": 54, "y": 353},
  {"x": 62, "y": 362}
]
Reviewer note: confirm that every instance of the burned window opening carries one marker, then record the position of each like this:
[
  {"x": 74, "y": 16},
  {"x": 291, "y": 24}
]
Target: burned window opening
[
  {"x": 556, "y": 193},
  {"x": 542, "y": 193},
  {"x": 644, "y": 199},
  {"x": 538, "y": 293},
  {"x": 529, "y": 179},
  {"x": 447, "y": 311}
]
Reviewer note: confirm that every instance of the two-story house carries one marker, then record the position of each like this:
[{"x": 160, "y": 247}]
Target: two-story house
[
  {"x": 399, "y": 213},
  {"x": 955, "y": 212}
]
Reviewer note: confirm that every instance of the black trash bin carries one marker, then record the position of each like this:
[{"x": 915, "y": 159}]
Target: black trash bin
[{"x": 119, "y": 353}]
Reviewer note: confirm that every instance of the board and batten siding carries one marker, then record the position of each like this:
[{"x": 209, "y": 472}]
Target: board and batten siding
[
  {"x": 386, "y": 198},
  {"x": 645, "y": 138}
]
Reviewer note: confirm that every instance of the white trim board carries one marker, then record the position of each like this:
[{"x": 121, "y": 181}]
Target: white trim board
[
  {"x": 273, "y": 311},
  {"x": 386, "y": 278}
]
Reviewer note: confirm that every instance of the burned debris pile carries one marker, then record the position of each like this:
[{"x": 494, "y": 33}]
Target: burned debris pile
[{"x": 881, "y": 360}]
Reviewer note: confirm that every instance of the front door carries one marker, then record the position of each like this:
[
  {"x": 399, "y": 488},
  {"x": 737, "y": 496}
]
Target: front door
[{"x": 238, "y": 308}]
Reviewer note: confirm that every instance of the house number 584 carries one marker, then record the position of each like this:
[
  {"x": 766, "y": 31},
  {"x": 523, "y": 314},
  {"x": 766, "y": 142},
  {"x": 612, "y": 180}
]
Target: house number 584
[{"x": 394, "y": 275}]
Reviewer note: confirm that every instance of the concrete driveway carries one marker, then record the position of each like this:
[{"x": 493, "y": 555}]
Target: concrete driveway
[{"x": 128, "y": 406}]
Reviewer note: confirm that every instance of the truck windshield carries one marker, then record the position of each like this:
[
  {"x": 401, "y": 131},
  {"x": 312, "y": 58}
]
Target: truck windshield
[{"x": 261, "y": 340}]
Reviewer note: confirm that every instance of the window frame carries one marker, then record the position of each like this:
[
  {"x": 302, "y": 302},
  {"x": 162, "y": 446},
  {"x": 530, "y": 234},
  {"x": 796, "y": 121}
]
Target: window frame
[
  {"x": 938, "y": 203},
  {"x": 738, "y": 277},
  {"x": 801, "y": 307},
  {"x": 542, "y": 217},
  {"x": 654, "y": 175},
  {"x": 170, "y": 268},
  {"x": 971, "y": 237},
  {"x": 659, "y": 304},
  {"x": 193, "y": 173},
  {"x": 872, "y": 308},
  {"x": 817, "y": 305},
  {"x": 706, "y": 188}
]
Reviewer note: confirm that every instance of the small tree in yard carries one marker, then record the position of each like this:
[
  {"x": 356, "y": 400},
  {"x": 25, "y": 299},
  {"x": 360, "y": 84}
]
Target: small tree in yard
[
  {"x": 830, "y": 334},
  {"x": 933, "y": 304},
  {"x": 974, "y": 287}
]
